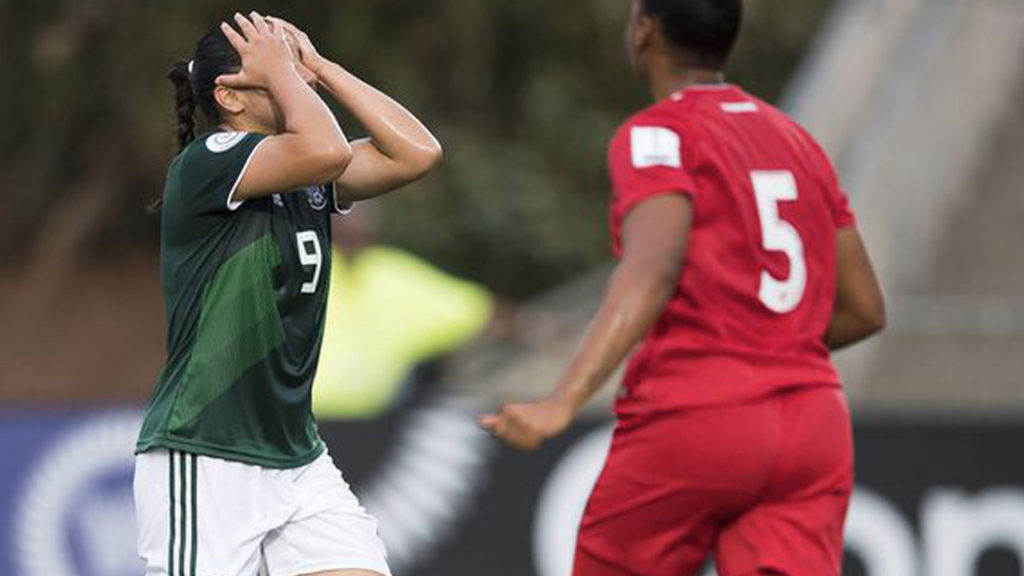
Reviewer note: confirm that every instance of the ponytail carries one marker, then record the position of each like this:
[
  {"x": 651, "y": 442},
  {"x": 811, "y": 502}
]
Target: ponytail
[
  {"x": 194, "y": 83},
  {"x": 184, "y": 102}
]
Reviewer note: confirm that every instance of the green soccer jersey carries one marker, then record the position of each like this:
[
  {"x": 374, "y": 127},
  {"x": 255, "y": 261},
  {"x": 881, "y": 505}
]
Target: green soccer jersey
[{"x": 245, "y": 288}]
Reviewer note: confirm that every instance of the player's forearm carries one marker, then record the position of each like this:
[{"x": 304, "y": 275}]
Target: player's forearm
[
  {"x": 394, "y": 130},
  {"x": 633, "y": 303},
  {"x": 308, "y": 119}
]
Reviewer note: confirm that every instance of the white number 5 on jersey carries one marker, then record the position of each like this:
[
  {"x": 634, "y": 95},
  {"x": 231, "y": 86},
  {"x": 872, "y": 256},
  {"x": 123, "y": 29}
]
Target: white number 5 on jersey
[{"x": 770, "y": 188}]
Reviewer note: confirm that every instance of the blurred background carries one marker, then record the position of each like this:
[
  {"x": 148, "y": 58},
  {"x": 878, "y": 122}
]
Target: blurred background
[{"x": 474, "y": 285}]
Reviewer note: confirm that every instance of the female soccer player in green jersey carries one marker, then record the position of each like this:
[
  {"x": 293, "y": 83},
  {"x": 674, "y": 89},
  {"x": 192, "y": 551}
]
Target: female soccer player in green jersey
[{"x": 230, "y": 472}]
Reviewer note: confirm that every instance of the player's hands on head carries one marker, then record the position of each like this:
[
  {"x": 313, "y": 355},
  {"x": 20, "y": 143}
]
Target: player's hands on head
[
  {"x": 264, "y": 51},
  {"x": 526, "y": 425},
  {"x": 308, "y": 55}
]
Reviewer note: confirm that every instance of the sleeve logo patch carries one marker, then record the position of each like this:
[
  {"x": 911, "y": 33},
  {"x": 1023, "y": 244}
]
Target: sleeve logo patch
[
  {"x": 654, "y": 146},
  {"x": 317, "y": 198},
  {"x": 224, "y": 141}
]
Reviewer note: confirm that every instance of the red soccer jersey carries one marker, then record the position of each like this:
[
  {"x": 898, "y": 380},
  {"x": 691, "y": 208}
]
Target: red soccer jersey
[{"x": 756, "y": 291}]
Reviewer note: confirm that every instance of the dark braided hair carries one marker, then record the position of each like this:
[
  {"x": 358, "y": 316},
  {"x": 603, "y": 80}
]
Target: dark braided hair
[
  {"x": 194, "y": 83},
  {"x": 184, "y": 102},
  {"x": 706, "y": 30}
]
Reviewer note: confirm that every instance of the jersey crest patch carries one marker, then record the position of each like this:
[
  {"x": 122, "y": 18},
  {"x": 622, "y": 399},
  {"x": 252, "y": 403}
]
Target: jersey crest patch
[
  {"x": 317, "y": 198},
  {"x": 654, "y": 146},
  {"x": 224, "y": 141}
]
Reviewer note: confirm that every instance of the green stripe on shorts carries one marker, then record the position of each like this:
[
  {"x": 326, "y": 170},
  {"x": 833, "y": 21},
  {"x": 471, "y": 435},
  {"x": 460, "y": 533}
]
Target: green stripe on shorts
[
  {"x": 170, "y": 493},
  {"x": 195, "y": 519},
  {"x": 184, "y": 532}
]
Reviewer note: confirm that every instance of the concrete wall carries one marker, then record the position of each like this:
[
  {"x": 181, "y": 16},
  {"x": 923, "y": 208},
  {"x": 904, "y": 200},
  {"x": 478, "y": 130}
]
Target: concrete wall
[{"x": 915, "y": 99}]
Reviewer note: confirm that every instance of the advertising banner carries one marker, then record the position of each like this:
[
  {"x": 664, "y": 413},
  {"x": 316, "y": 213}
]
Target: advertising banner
[{"x": 932, "y": 499}]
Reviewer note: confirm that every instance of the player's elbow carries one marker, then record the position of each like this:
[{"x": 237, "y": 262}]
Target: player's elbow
[
  {"x": 327, "y": 161},
  {"x": 875, "y": 318},
  {"x": 432, "y": 156},
  {"x": 665, "y": 283},
  {"x": 871, "y": 318},
  {"x": 335, "y": 158},
  {"x": 423, "y": 160},
  {"x": 657, "y": 282}
]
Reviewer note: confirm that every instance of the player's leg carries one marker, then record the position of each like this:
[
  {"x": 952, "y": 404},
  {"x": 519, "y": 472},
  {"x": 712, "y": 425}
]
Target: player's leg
[
  {"x": 330, "y": 533},
  {"x": 587, "y": 564},
  {"x": 344, "y": 573},
  {"x": 153, "y": 505},
  {"x": 791, "y": 539},
  {"x": 199, "y": 515},
  {"x": 669, "y": 483},
  {"x": 797, "y": 529}
]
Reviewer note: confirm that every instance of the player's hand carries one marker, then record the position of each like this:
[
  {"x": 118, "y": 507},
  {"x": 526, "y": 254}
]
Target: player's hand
[
  {"x": 525, "y": 426},
  {"x": 265, "y": 54},
  {"x": 308, "y": 55}
]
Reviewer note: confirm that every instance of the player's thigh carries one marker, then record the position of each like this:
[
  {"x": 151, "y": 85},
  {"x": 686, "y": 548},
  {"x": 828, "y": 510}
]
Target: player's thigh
[
  {"x": 199, "y": 516},
  {"x": 330, "y": 533},
  {"x": 587, "y": 564},
  {"x": 653, "y": 539},
  {"x": 343, "y": 573},
  {"x": 791, "y": 539},
  {"x": 797, "y": 528},
  {"x": 669, "y": 483},
  {"x": 152, "y": 510}
]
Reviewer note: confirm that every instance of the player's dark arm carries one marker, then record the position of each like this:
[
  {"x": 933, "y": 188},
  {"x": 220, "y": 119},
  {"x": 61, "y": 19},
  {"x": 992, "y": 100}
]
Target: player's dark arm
[
  {"x": 312, "y": 149},
  {"x": 399, "y": 148},
  {"x": 655, "y": 236},
  {"x": 859, "y": 308}
]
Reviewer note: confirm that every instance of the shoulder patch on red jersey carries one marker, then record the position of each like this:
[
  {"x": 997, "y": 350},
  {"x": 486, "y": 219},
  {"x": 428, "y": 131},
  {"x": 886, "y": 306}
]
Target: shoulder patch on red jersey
[
  {"x": 741, "y": 107},
  {"x": 654, "y": 146}
]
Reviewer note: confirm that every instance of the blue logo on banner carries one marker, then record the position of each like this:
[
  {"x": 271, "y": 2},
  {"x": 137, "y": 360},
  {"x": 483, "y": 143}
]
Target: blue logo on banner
[{"x": 75, "y": 515}]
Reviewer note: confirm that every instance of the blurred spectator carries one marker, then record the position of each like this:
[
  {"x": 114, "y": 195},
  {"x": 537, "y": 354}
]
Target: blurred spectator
[{"x": 388, "y": 312}]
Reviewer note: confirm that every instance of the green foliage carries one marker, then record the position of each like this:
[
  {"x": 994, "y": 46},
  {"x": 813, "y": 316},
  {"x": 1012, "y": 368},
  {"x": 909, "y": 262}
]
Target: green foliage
[{"x": 523, "y": 94}]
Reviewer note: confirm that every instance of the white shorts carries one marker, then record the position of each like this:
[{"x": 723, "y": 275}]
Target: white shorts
[{"x": 202, "y": 516}]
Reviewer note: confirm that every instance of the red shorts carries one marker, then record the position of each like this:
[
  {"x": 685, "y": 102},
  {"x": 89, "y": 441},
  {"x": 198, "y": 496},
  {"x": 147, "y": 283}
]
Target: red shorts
[{"x": 764, "y": 486}]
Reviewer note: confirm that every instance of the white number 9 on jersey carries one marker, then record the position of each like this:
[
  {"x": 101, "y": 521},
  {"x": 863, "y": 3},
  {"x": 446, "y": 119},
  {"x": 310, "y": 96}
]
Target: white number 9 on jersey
[
  {"x": 770, "y": 188},
  {"x": 310, "y": 255}
]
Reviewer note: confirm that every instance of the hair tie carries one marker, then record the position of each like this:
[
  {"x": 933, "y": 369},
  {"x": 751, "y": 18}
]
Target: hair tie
[{"x": 191, "y": 65}]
